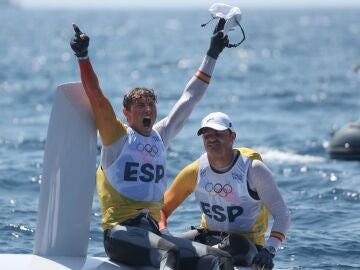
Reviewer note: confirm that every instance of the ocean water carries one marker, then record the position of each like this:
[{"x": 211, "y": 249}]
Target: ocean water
[{"x": 293, "y": 82}]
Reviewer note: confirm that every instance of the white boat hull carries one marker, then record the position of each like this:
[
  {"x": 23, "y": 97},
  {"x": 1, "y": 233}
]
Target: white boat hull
[{"x": 32, "y": 262}]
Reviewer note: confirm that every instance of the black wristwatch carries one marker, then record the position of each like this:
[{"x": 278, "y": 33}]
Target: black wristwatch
[{"x": 271, "y": 250}]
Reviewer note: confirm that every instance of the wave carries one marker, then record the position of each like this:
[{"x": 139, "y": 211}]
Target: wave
[{"x": 289, "y": 157}]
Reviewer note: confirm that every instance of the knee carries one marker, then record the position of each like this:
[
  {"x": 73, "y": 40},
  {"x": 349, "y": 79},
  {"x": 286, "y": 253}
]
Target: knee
[
  {"x": 173, "y": 250},
  {"x": 170, "y": 259},
  {"x": 120, "y": 248},
  {"x": 113, "y": 250}
]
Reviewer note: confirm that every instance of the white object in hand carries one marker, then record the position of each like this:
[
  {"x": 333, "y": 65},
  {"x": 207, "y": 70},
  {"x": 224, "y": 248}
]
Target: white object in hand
[{"x": 232, "y": 15}]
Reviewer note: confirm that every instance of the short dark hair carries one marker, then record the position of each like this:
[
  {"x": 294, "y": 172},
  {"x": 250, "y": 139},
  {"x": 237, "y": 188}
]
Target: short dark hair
[{"x": 138, "y": 92}]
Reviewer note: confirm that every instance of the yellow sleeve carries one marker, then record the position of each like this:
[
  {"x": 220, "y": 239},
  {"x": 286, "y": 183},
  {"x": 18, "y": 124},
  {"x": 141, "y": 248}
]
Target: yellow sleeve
[
  {"x": 111, "y": 135},
  {"x": 250, "y": 153},
  {"x": 183, "y": 185}
]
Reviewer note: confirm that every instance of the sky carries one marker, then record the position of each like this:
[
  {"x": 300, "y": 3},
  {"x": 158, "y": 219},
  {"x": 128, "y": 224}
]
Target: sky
[{"x": 156, "y": 4}]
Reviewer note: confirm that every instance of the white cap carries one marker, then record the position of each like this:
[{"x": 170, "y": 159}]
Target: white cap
[
  {"x": 216, "y": 120},
  {"x": 232, "y": 15}
]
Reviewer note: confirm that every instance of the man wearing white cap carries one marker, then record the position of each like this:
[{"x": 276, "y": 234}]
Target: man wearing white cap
[{"x": 235, "y": 191}]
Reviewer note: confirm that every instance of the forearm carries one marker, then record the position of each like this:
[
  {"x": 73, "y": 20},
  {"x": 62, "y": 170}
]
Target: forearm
[
  {"x": 89, "y": 80},
  {"x": 198, "y": 84},
  {"x": 261, "y": 180},
  {"x": 173, "y": 197},
  {"x": 280, "y": 226},
  {"x": 170, "y": 126},
  {"x": 208, "y": 65},
  {"x": 182, "y": 186},
  {"x": 163, "y": 220}
]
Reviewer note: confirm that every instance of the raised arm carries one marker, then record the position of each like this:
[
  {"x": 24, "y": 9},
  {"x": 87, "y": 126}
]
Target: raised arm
[
  {"x": 171, "y": 125},
  {"x": 110, "y": 128}
]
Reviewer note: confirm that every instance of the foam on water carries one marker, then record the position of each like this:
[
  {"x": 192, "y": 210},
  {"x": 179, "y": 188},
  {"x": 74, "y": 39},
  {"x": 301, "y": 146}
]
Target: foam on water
[{"x": 281, "y": 157}]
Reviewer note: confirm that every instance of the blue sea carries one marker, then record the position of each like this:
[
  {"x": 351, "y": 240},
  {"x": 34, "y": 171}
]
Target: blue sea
[{"x": 288, "y": 87}]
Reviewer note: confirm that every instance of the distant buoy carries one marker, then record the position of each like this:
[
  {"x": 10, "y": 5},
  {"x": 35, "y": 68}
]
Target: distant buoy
[{"x": 345, "y": 143}]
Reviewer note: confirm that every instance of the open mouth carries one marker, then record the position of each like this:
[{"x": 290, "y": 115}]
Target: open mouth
[{"x": 146, "y": 121}]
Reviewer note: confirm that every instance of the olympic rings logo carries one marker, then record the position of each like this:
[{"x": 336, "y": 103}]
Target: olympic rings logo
[
  {"x": 218, "y": 189},
  {"x": 152, "y": 150}
]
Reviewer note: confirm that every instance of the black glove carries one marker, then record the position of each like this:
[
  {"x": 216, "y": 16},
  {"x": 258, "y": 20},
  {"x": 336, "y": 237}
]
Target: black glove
[
  {"x": 218, "y": 41},
  {"x": 79, "y": 42},
  {"x": 264, "y": 259},
  {"x": 239, "y": 248}
]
